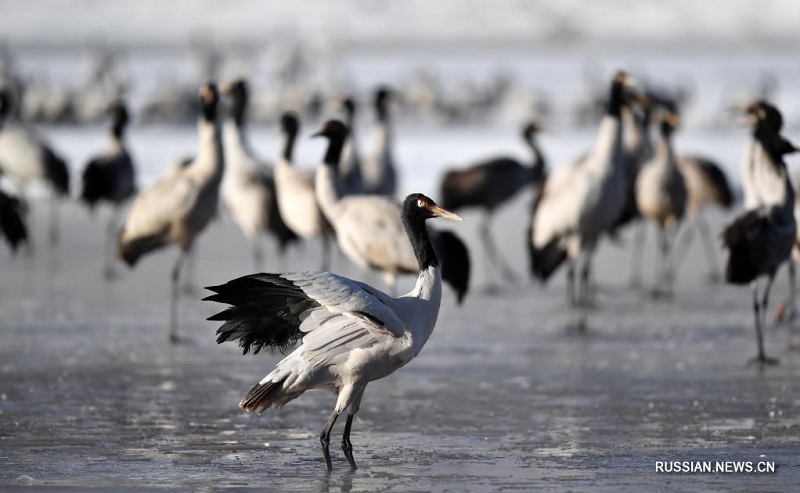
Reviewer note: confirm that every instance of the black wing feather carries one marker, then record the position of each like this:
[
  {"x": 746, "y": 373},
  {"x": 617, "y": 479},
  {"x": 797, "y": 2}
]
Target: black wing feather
[{"x": 265, "y": 312}]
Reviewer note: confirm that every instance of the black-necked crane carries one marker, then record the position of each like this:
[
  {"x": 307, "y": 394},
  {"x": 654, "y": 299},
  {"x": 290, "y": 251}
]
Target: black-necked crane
[
  {"x": 637, "y": 149},
  {"x": 248, "y": 187},
  {"x": 369, "y": 228},
  {"x": 111, "y": 178},
  {"x": 350, "y": 167},
  {"x": 707, "y": 185},
  {"x": 297, "y": 199},
  {"x": 351, "y": 333},
  {"x": 661, "y": 198},
  {"x": 378, "y": 170},
  {"x": 580, "y": 202},
  {"x": 489, "y": 184},
  {"x": 761, "y": 239},
  {"x": 25, "y": 157},
  {"x": 177, "y": 208},
  {"x": 12, "y": 221}
]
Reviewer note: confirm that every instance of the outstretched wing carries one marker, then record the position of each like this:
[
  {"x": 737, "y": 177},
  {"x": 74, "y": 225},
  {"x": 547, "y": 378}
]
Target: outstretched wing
[{"x": 276, "y": 310}]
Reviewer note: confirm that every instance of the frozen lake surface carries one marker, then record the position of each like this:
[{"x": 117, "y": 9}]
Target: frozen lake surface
[{"x": 506, "y": 396}]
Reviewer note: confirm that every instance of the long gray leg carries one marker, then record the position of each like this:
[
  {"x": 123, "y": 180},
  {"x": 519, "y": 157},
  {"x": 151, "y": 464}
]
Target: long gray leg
[
  {"x": 53, "y": 230},
  {"x": 325, "y": 439},
  {"x": 110, "y": 241},
  {"x": 347, "y": 447},
  {"x": 173, "y": 319},
  {"x": 760, "y": 314},
  {"x": 492, "y": 252},
  {"x": 258, "y": 253},
  {"x": 682, "y": 244},
  {"x": 572, "y": 299},
  {"x": 584, "y": 291},
  {"x": 791, "y": 311},
  {"x": 640, "y": 236},
  {"x": 326, "y": 253},
  {"x": 715, "y": 272}
]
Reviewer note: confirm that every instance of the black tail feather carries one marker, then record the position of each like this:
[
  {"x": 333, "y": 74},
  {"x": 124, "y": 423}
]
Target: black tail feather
[
  {"x": 264, "y": 313},
  {"x": 259, "y": 397},
  {"x": 454, "y": 258},
  {"x": 131, "y": 251},
  {"x": 97, "y": 183},
  {"x": 715, "y": 175},
  {"x": 545, "y": 261},
  {"x": 12, "y": 226},
  {"x": 57, "y": 172}
]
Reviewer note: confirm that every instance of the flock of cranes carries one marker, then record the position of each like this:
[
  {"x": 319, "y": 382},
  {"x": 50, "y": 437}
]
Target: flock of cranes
[{"x": 351, "y": 332}]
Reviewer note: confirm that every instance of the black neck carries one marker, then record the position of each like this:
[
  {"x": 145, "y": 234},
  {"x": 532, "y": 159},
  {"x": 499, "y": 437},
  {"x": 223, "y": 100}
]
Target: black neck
[
  {"x": 118, "y": 127},
  {"x": 334, "y": 153},
  {"x": 666, "y": 130},
  {"x": 615, "y": 99},
  {"x": 420, "y": 241},
  {"x": 349, "y": 116},
  {"x": 288, "y": 145},
  {"x": 538, "y": 159},
  {"x": 5, "y": 107},
  {"x": 382, "y": 110},
  {"x": 239, "y": 110}
]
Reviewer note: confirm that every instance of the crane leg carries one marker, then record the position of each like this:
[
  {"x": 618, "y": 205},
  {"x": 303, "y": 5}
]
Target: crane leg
[
  {"x": 258, "y": 254},
  {"x": 326, "y": 253},
  {"x": 173, "y": 319},
  {"x": 583, "y": 293},
  {"x": 495, "y": 257},
  {"x": 640, "y": 232},
  {"x": 347, "y": 447},
  {"x": 189, "y": 286},
  {"x": 584, "y": 286},
  {"x": 682, "y": 244},
  {"x": 109, "y": 271},
  {"x": 760, "y": 308},
  {"x": 53, "y": 230},
  {"x": 791, "y": 313},
  {"x": 715, "y": 272},
  {"x": 572, "y": 299},
  {"x": 325, "y": 438}
]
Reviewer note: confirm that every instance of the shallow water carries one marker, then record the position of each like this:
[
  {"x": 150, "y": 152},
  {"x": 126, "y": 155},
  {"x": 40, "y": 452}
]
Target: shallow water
[{"x": 506, "y": 396}]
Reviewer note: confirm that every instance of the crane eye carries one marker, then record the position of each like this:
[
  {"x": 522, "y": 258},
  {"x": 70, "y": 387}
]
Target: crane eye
[{"x": 421, "y": 203}]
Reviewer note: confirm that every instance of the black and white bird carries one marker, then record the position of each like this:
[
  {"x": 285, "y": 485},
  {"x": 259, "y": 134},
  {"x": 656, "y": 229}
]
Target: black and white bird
[
  {"x": 177, "y": 208},
  {"x": 350, "y": 167},
  {"x": 761, "y": 239},
  {"x": 378, "y": 170},
  {"x": 297, "y": 199},
  {"x": 111, "y": 178},
  {"x": 580, "y": 202},
  {"x": 25, "y": 157},
  {"x": 351, "y": 332},
  {"x": 369, "y": 228},
  {"x": 661, "y": 196},
  {"x": 707, "y": 185},
  {"x": 491, "y": 183},
  {"x": 12, "y": 221},
  {"x": 248, "y": 187}
]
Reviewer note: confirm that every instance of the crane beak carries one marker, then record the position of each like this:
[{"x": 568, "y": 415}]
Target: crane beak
[{"x": 444, "y": 213}]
